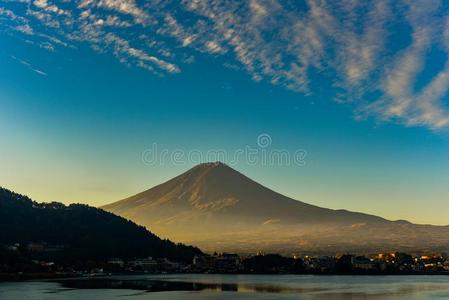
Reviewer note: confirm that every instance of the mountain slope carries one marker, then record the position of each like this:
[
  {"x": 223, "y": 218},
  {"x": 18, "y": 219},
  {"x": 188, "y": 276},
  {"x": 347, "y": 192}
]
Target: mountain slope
[
  {"x": 218, "y": 208},
  {"x": 86, "y": 232}
]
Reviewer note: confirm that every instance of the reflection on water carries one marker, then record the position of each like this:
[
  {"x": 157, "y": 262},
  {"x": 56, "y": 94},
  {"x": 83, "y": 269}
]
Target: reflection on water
[
  {"x": 155, "y": 285},
  {"x": 238, "y": 287}
]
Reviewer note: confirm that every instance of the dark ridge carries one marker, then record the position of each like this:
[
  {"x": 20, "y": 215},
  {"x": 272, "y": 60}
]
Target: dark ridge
[{"x": 85, "y": 232}]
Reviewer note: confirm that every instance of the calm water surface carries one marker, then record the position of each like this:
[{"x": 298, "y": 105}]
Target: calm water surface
[{"x": 236, "y": 287}]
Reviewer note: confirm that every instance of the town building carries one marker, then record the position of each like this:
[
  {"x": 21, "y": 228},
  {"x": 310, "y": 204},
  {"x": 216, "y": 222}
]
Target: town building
[{"x": 143, "y": 264}]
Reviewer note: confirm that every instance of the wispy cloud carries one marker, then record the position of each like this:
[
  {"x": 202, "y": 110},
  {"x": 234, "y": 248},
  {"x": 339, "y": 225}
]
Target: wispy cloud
[
  {"x": 47, "y": 6},
  {"x": 29, "y": 66},
  {"x": 125, "y": 51},
  {"x": 128, "y": 7},
  {"x": 373, "y": 53},
  {"x": 401, "y": 99}
]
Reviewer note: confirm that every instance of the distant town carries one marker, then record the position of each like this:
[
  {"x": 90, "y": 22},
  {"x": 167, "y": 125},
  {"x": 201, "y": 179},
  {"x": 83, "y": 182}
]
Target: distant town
[{"x": 35, "y": 260}]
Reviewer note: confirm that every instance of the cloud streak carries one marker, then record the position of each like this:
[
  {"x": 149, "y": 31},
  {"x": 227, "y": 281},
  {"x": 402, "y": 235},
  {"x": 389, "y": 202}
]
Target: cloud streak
[
  {"x": 373, "y": 53},
  {"x": 29, "y": 66}
]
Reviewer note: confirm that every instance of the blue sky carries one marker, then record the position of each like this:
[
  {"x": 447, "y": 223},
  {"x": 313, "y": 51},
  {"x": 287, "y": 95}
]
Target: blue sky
[{"x": 87, "y": 86}]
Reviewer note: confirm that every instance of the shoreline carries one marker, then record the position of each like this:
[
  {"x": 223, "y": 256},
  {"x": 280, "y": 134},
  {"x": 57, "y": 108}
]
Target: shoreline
[{"x": 23, "y": 277}]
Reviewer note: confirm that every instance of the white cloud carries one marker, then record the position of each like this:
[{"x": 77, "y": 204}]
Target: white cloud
[
  {"x": 350, "y": 44},
  {"x": 25, "y": 28},
  {"x": 29, "y": 66},
  {"x": 123, "y": 50},
  {"x": 128, "y": 7},
  {"x": 360, "y": 51},
  {"x": 401, "y": 100},
  {"x": 44, "y": 5},
  {"x": 399, "y": 81},
  {"x": 214, "y": 47}
]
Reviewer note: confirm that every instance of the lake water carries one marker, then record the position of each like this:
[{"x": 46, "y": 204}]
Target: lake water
[{"x": 236, "y": 287}]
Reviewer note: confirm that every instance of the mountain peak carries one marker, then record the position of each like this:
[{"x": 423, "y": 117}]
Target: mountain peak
[
  {"x": 213, "y": 205},
  {"x": 214, "y": 164},
  {"x": 216, "y": 168}
]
